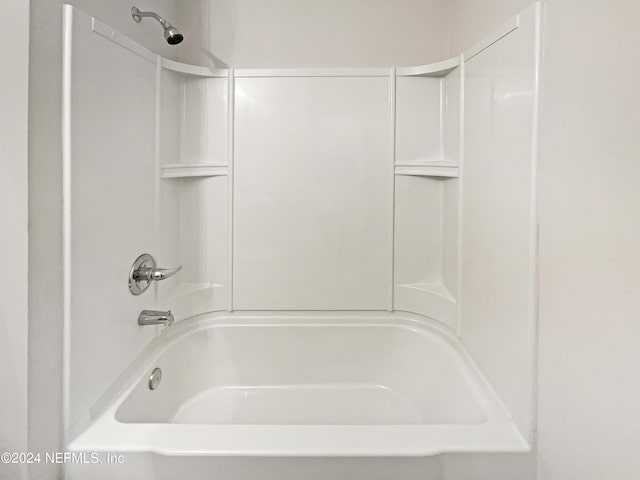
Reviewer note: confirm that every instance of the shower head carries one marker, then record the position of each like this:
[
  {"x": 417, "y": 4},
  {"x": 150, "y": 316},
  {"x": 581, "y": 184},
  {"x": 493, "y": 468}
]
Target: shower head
[{"x": 171, "y": 34}]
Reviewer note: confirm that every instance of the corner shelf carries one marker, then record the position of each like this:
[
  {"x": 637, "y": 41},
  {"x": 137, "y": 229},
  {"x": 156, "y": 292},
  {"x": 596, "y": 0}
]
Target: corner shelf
[
  {"x": 193, "y": 70},
  {"x": 439, "y": 69},
  {"x": 189, "y": 170},
  {"x": 427, "y": 169},
  {"x": 431, "y": 299},
  {"x": 432, "y": 289}
]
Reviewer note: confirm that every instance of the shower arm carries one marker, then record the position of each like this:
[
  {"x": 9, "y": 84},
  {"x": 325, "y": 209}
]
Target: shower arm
[{"x": 138, "y": 16}]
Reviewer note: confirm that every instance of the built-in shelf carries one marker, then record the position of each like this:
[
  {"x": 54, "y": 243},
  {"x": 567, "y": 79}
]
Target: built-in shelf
[
  {"x": 448, "y": 170},
  {"x": 433, "y": 300},
  {"x": 439, "y": 69},
  {"x": 184, "y": 170},
  {"x": 193, "y": 70},
  {"x": 432, "y": 289}
]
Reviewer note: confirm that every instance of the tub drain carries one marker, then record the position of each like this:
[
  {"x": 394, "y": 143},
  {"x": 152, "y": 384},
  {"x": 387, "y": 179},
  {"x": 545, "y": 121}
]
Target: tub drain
[{"x": 154, "y": 378}]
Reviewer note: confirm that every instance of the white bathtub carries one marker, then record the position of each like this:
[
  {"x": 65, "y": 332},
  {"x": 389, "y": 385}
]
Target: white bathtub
[{"x": 332, "y": 385}]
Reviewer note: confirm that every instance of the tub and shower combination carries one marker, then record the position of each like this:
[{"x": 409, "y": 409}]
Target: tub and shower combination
[{"x": 356, "y": 281}]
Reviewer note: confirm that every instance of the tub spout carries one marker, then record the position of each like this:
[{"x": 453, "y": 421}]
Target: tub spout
[{"x": 154, "y": 317}]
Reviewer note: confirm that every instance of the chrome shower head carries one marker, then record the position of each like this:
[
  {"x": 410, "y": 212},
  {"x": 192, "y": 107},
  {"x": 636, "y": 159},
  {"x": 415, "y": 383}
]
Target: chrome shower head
[{"x": 171, "y": 34}]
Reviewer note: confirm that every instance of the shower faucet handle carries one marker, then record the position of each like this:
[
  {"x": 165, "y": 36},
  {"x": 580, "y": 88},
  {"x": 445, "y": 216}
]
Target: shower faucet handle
[
  {"x": 144, "y": 271},
  {"x": 158, "y": 274}
]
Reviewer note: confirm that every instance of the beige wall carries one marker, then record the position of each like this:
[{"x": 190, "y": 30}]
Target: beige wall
[
  {"x": 293, "y": 33},
  {"x": 13, "y": 214},
  {"x": 471, "y": 20},
  {"x": 117, "y": 14}
]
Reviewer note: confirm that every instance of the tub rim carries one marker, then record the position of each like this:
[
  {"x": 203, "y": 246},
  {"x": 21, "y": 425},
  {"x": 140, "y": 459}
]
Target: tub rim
[{"x": 101, "y": 430}]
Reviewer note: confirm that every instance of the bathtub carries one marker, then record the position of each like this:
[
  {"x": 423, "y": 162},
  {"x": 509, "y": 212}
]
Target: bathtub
[{"x": 301, "y": 386}]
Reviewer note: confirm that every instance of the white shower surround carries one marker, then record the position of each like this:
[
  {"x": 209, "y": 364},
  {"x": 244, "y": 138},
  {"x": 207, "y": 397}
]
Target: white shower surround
[{"x": 438, "y": 178}]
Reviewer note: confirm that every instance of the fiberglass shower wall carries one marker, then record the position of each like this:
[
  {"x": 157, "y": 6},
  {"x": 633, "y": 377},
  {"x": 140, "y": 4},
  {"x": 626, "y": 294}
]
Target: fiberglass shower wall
[
  {"x": 144, "y": 145},
  {"x": 499, "y": 236},
  {"x": 406, "y": 189}
]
